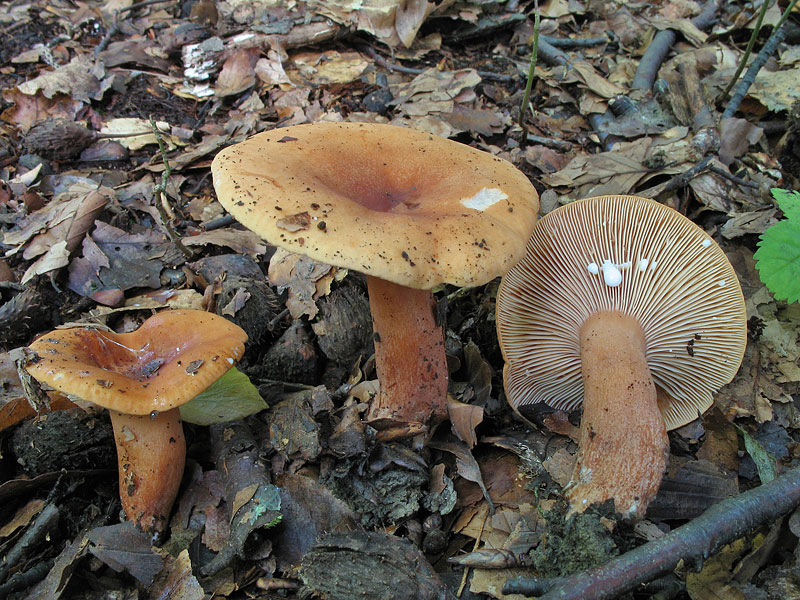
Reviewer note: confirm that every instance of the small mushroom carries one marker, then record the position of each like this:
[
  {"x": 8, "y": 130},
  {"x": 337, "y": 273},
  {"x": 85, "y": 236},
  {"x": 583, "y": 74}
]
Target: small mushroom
[
  {"x": 408, "y": 209},
  {"x": 142, "y": 378},
  {"x": 626, "y": 306}
]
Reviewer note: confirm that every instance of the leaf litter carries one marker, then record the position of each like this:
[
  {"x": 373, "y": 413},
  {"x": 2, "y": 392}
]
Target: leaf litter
[{"x": 212, "y": 74}]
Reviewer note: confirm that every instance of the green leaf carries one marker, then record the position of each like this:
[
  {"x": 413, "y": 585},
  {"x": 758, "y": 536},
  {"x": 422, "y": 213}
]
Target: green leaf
[
  {"x": 788, "y": 201},
  {"x": 765, "y": 462},
  {"x": 778, "y": 253},
  {"x": 230, "y": 397}
]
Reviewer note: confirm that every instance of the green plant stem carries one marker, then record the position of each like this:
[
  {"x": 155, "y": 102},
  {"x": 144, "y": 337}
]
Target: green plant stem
[
  {"x": 751, "y": 43},
  {"x": 529, "y": 84},
  {"x": 160, "y": 195},
  {"x": 747, "y": 51}
]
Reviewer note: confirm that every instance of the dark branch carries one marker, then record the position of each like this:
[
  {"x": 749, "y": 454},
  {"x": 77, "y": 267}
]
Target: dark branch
[{"x": 719, "y": 525}]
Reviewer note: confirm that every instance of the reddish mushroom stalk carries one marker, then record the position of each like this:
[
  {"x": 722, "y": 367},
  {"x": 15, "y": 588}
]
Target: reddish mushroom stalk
[
  {"x": 623, "y": 448},
  {"x": 151, "y": 453},
  {"x": 409, "y": 356}
]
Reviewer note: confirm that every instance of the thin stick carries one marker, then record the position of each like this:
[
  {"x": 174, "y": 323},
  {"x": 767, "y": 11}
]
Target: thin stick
[{"x": 721, "y": 524}]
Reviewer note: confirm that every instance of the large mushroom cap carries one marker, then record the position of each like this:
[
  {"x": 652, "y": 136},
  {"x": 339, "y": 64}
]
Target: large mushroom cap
[
  {"x": 392, "y": 202},
  {"x": 169, "y": 360},
  {"x": 659, "y": 268}
]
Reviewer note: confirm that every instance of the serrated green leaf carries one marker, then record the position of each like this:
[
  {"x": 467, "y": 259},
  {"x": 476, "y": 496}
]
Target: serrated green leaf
[
  {"x": 788, "y": 201},
  {"x": 778, "y": 254},
  {"x": 778, "y": 259},
  {"x": 765, "y": 462},
  {"x": 231, "y": 397}
]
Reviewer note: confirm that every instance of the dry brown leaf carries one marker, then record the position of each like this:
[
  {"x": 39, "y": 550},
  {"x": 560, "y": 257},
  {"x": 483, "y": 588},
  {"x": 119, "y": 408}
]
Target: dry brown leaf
[
  {"x": 238, "y": 72},
  {"x": 300, "y": 275},
  {"x": 24, "y": 515},
  {"x": 241, "y": 241},
  {"x": 736, "y": 136},
  {"x": 29, "y": 110},
  {"x": 464, "y": 418},
  {"x": 559, "y": 466},
  {"x": 270, "y": 69},
  {"x": 176, "y": 580},
  {"x": 79, "y": 79},
  {"x": 324, "y": 68}
]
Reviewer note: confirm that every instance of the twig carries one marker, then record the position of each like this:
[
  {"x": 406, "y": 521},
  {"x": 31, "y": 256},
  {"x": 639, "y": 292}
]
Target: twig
[
  {"x": 390, "y": 66},
  {"x": 697, "y": 540},
  {"x": 731, "y": 177},
  {"x": 657, "y": 50},
  {"x": 159, "y": 191},
  {"x": 573, "y": 42},
  {"x": 559, "y": 145},
  {"x": 218, "y": 223},
  {"x": 45, "y": 524},
  {"x": 750, "y": 76},
  {"x": 747, "y": 51},
  {"x": 551, "y": 55},
  {"x": 26, "y": 579},
  {"x": 679, "y": 181}
]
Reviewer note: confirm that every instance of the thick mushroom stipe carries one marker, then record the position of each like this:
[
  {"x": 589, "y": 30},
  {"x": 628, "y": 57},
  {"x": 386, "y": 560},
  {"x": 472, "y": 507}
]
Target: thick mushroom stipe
[
  {"x": 409, "y": 357},
  {"x": 142, "y": 377},
  {"x": 151, "y": 453},
  {"x": 623, "y": 448}
]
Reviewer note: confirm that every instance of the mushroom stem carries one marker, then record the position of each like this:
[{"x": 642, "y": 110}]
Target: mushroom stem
[
  {"x": 151, "y": 451},
  {"x": 409, "y": 357},
  {"x": 623, "y": 448}
]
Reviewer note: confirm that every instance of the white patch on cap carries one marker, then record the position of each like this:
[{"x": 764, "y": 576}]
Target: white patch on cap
[
  {"x": 593, "y": 268},
  {"x": 484, "y": 198},
  {"x": 705, "y": 243},
  {"x": 643, "y": 262}
]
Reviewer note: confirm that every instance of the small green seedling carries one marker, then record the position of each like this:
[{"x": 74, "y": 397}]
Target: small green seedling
[{"x": 778, "y": 253}]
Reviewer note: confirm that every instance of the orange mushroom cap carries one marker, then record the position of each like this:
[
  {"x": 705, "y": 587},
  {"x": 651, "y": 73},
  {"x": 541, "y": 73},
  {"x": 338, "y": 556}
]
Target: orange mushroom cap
[
  {"x": 398, "y": 204},
  {"x": 637, "y": 257},
  {"x": 169, "y": 360}
]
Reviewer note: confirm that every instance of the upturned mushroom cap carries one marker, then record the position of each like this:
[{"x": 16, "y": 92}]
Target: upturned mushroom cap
[
  {"x": 636, "y": 256},
  {"x": 392, "y": 202},
  {"x": 169, "y": 360}
]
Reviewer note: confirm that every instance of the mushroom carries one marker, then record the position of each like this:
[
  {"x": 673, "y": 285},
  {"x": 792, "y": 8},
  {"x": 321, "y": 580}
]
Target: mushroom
[
  {"x": 408, "y": 209},
  {"x": 626, "y": 305},
  {"x": 142, "y": 378}
]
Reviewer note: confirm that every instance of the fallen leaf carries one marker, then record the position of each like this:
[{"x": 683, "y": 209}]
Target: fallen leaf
[
  {"x": 238, "y": 73},
  {"x": 240, "y": 241},
  {"x": 300, "y": 275},
  {"x": 79, "y": 79},
  {"x": 176, "y": 581},
  {"x": 464, "y": 418},
  {"x": 123, "y": 547}
]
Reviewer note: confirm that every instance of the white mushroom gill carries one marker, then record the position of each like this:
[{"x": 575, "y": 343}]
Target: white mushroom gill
[{"x": 485, "y": 198}]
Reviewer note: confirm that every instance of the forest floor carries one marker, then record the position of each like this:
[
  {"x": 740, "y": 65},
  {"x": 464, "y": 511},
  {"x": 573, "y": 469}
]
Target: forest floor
[{"x": 88, "y": 236}]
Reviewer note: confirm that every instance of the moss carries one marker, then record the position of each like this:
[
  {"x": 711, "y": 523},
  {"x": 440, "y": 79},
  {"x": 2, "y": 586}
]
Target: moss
[{"x": 571, "y": 545}]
